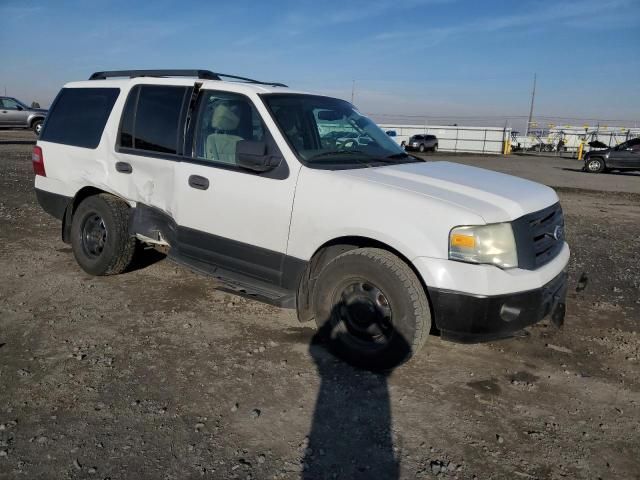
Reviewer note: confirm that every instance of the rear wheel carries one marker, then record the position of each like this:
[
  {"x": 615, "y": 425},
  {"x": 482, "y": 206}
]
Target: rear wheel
[
  {"x": 435, "y": 148},
  {"x": 595, "y": 165},
  {"x": 371, "y": 309},
  {"x": 100, "y": 235}
]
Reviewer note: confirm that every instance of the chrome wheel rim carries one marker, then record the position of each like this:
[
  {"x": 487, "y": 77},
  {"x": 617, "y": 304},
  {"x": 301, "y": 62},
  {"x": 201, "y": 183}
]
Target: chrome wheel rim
[{"x": 594, "y": 165}]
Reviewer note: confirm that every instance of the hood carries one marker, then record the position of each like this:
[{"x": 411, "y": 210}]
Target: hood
[
  {"x": 38, "y": 110},
  {"x": 496, "y": 197}
]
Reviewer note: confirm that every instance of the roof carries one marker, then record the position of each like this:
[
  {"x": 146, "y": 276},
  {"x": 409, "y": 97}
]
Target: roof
[
  {"x": 238, "y": 87},
  {"x": 125, "y": 79}
]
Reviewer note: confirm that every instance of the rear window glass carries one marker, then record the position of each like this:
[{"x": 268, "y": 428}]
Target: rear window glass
[
  {"x": 152, "y": 117},
  {"x": 78, "y": 116}
]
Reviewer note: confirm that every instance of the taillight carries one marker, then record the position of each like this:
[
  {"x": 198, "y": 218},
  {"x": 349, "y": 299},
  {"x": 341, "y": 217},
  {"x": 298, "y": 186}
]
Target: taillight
[{"x": 38, "y": 161}]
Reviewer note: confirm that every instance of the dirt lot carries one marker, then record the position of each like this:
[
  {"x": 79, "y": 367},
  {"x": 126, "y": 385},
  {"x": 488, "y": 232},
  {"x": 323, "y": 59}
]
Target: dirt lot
[{"x": 157, "y": 374}]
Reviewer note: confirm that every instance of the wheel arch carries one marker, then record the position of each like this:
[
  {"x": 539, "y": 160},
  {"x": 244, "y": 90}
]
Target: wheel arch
[
  {"x": 80, "y": 195},
  {"x": 330, "y": 250},
  {"x": 34, "y": 119}
]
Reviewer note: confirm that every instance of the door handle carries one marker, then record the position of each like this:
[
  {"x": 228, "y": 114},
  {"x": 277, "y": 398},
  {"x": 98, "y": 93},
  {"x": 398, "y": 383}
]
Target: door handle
[
  {"x": 196, "y": 181},
  {"x": 124, "y": 167}
]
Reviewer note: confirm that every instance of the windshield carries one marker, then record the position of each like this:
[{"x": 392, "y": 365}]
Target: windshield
[{"x": 327, "y": 132}]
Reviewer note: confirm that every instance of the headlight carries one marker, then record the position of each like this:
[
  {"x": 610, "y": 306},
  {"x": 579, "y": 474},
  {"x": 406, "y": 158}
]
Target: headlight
[{"x": 493, "y": 244}]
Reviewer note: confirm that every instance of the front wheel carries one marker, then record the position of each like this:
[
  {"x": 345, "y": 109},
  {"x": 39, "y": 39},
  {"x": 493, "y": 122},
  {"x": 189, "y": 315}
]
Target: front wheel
[
  {"x": 371, "y": 309},
  {"x": 100, "y": 235},
  {"x": 595, "y": 165},
  {"x": 421, "y": 148}
]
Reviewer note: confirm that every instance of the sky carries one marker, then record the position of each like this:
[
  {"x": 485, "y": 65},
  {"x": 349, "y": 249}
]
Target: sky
[{"x": 468, "y": 60}]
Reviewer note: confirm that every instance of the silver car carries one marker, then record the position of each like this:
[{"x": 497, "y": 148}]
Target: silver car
[{"x": 14, "y": 113}]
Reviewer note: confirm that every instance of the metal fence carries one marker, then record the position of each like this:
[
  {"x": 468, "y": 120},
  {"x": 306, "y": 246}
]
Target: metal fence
[{"x": 453, "y": 138}]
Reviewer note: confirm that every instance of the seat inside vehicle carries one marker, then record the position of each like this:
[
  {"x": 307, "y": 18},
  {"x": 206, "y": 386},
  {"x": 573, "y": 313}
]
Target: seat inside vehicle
[{"x": 230, "y": 123}]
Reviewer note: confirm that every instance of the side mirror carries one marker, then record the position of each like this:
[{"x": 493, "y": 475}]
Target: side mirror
[
  {"x": 253, "y": 156},
  {"x": 19, "y": 108}
]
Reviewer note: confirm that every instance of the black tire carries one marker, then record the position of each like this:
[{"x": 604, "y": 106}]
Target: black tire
[
  {"x": 595, "y": 165},
  {"x": 421, "y": 148},
  {"x": 435, "y": 148},
  {"x": 100, "y": 235},
  {"x": 36, "y": 126},
  {"x": 353, "y": 325}
]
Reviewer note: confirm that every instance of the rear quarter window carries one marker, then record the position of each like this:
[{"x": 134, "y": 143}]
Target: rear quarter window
[{"x": 78, "y": 116}]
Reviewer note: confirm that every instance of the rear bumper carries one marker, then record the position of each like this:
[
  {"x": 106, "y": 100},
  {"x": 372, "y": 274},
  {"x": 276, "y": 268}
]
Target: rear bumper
[
  {"x": 53, "y": 203},
  {"x": 470, "y": 318}
]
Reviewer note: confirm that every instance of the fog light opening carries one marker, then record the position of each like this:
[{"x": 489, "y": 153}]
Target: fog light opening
[{"x": 509, "y": 314}]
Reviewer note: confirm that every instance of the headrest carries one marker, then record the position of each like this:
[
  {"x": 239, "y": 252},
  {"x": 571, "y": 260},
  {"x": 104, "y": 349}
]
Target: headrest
[{"x": 225, "y": 117}]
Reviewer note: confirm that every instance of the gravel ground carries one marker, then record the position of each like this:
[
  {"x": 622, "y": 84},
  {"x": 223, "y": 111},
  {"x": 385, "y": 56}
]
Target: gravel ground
[{"x": 158, "y": 374}]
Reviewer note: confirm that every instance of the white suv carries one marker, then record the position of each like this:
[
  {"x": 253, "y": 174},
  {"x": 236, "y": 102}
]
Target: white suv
[{"x": 301, "y": 201}]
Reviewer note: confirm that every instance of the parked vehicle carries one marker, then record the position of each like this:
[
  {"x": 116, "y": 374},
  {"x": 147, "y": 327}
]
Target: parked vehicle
[
  {"x": 14, "y": 113},
  {"x": 236, "y": 179},
  {"x": 422, "y": 143},
  {"x": 625, "y": 156}
]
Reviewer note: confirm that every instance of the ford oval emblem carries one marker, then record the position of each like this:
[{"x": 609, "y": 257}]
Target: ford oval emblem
[{"x": 558, "y": 232}]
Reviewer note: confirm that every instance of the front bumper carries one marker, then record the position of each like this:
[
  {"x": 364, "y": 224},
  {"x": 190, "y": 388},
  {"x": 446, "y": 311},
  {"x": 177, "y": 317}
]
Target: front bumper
[{"x": 471, "y": 318}]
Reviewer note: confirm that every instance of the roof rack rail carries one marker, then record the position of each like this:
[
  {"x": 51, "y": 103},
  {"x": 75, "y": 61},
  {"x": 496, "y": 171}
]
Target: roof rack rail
[{"x": 202, "y": 74}]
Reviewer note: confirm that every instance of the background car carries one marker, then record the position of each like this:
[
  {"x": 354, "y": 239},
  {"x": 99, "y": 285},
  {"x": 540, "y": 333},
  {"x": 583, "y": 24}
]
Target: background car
[
  {"x": 422, "y": 143},
  {"x": 14, "y": 113},
  {"x": 625, "y": 156}
]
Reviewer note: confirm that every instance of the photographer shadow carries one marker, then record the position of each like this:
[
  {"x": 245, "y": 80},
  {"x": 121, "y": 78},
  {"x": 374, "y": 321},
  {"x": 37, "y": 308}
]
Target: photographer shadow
[{"x": 351, "y": 434}]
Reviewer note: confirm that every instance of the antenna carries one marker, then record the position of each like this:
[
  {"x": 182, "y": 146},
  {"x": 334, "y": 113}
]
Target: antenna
[
  {"x": 533, "y": 96},
  {"x": 353, "y": 89}
]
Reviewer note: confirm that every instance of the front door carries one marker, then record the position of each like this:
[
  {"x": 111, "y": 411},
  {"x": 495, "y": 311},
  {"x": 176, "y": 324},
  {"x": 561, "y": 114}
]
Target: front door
[
  {"x": 12, "y": 113},
  {"x": 626, "y": 155},
  {"x": 229, "y": 217}
]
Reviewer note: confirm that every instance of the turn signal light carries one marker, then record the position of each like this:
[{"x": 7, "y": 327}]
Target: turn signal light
[{"x": 465, "y": 241}]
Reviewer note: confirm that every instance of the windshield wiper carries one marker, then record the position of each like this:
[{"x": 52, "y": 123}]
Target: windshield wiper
[{"x": 336, "y": 152}]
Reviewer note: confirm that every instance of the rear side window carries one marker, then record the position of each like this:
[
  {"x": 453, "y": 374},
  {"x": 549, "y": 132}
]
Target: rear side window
[
  {"x": 152, "y": 118},
  {"x": 78, "y": 116}
]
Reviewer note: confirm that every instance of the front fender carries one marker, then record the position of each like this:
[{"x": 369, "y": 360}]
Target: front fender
[{"x": 329, "y": 205}]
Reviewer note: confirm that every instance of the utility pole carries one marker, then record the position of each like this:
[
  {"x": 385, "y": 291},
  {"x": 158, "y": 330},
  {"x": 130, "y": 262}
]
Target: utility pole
[
  {"x": 533, "y": 96},
  {"x": 353, "y": 89}
]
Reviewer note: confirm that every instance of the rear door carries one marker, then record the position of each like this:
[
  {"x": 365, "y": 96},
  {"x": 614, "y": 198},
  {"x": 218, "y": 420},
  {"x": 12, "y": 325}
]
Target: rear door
[
  {"x": 149, "y": 145},
  {"x": 229, "y": 217}
]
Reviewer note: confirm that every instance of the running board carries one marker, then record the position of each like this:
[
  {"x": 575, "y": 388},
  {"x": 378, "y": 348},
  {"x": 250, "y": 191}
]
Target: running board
[{"x": 239, "y": 284}]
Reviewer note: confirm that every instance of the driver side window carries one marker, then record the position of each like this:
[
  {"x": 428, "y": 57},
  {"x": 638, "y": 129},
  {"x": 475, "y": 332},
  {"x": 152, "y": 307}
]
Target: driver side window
[
  {"x": 9, "y": 104},
  {"x": 223, "y": 120},
  {"x": 634, "y": 145}
]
